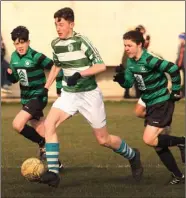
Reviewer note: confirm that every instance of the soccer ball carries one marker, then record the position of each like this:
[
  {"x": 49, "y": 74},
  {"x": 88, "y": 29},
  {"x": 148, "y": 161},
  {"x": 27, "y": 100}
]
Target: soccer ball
[{"x": 32, "y": 169}]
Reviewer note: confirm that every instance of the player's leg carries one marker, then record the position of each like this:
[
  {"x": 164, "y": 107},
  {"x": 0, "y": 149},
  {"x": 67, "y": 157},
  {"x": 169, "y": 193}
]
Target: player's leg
[
  {"x": 140, "y": 109},
  {"x": 19, "y": 124},
  {"x": 140, "y": 112},
  {"x": 61, "y": 110},
  {"x": 92, "y": 106},
  {"x": 153, "y": 136},
  {"x": 169, "y": 162},
  {"x": 158, "y": 116},
  {"x": 53, "y": 119},
  {"x": 120, "y": 147},
  {"x": 38, "y": 125},
  {"x": 35, "y": 108}
]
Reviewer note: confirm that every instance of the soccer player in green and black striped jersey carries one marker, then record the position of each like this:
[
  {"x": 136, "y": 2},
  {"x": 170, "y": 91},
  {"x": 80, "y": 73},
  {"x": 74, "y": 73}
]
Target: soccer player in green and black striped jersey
[
  {"x": 80, "y": 62},
  {"x": 149, "y": 72},
  {"x": 27, "y": 67}
]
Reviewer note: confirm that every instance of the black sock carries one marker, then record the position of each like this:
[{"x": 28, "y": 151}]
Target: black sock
[
  {"x": 168, "y": 140},
  {"x": 31, "y": 134},
  {"x": 168, "y": 160}
]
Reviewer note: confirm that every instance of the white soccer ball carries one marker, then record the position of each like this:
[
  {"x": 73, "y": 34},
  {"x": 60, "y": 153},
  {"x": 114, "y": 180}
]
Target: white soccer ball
[{"x": 32, "y": 169}]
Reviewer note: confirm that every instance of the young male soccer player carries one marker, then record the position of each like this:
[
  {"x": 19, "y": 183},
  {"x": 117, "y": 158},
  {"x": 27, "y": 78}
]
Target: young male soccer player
[
  {"x": 80, "y": 61},
  {"x": 27, "y": 67},
  {"x": 149, "y": 72}
]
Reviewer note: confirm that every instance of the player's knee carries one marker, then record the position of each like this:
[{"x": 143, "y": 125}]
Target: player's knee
[
  {"x": 17, "y": 126},
  {"x": 46, "y": 125},
  {"x": 149, "y": 141},
  {"x": 139, "y": 113},
  {"x": 103, "y": 141}
]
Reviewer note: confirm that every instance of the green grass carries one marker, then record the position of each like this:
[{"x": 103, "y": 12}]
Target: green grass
[{"x": 90, "y": 170}]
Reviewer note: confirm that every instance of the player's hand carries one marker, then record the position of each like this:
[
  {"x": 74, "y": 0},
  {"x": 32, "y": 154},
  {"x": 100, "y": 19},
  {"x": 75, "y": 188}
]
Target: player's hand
[
  {"x": 119, "y": 78},
  {"x": 72, "y": 80},
  {"x": 176, "y": 95},
  {"x": 10, "y": 76},
  {"x": 58, "y": 91},
  {"x": 119, "y": 68},
  {"x": 9, "y": 71},
  {"x": 45, "y": 92}
]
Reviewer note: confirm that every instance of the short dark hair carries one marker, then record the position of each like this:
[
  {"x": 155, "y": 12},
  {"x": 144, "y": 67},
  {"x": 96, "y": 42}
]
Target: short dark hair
[
  {"x": 65, "y": 13},
  {"x": 135, "y": 36},
  {"x": 140, "y": 27},
  {"x": 20, "y": 33}
]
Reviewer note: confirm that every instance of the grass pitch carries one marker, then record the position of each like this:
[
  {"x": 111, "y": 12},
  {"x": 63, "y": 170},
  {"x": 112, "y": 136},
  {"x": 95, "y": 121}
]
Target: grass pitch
[{"x": 90, "y": 170}]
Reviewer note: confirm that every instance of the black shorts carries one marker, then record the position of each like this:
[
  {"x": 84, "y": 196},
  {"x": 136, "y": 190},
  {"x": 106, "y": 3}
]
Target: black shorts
[
  {"x": 35, "y": 108},
  {"x": 160, "y": 115}
]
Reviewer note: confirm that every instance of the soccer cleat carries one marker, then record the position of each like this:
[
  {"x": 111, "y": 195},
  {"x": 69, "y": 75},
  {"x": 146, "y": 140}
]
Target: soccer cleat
[
  {"x": 61, "y": 167},
  {"x": 136, "y": 166},
  {"x": 176, "y": 180},
  {"x": 182, "y": 151},
  {"x": 50, "y": 178}
]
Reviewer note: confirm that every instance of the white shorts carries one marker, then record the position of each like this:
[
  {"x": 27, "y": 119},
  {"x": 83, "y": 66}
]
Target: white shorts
[
  {"x": 140, "y": 101},
  {"x": 89, "y": 104}
]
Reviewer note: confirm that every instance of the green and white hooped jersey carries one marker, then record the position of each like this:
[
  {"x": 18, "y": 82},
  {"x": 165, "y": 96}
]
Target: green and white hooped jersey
[{"x": 76, "y": 54}]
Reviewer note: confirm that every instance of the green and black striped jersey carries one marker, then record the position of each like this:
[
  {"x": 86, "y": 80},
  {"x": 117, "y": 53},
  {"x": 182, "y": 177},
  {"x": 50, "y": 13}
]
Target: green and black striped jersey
[
  {"x": 59, "y": 79},
  {"x": 149, "y": 73},
  {"x": 29, "y": 71},
  {"x": 76, "y": 54}
]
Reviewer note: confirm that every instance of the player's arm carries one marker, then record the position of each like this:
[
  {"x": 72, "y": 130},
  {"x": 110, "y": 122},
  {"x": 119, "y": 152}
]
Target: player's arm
[
  {"x": 94, "y": 69},
  {"x": 12, "y": 75},
  {"x": 56, "y": 68},
  {"x": 167, "y": 67},
  {"x": 59, "y": 82},
  {"x": 93, "y": 55},
  {"x": 52, "y": 76},
  {"x": 97, "y": 64}
]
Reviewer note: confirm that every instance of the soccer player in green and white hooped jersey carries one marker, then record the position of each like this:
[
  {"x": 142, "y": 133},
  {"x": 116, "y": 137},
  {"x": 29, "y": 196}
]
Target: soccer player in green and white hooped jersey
[
  {"x": 149, "y": 72},
  {"x": 27, "y": 67},
  {"x": 80, "y": 61}
]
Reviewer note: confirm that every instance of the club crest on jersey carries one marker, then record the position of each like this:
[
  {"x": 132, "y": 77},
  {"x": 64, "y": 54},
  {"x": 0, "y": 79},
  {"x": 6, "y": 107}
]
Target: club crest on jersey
[
  {"x": 27, "y": 63},
  {"x": 70, "y": 47},
  {"x": 142, "y": 68}
]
